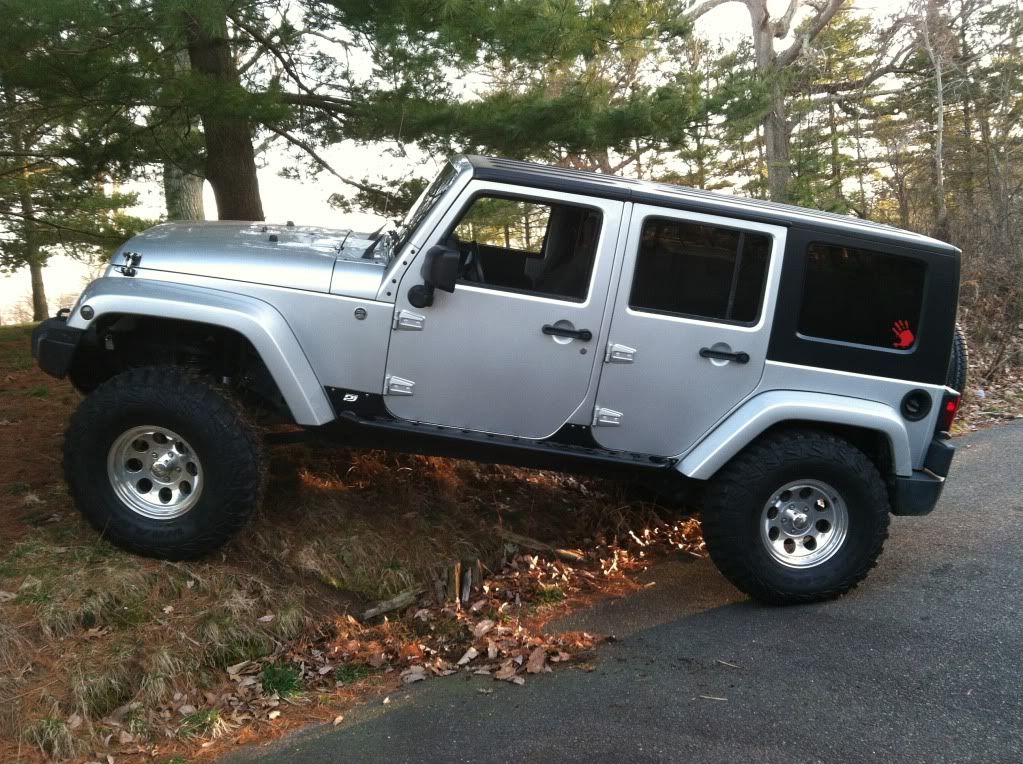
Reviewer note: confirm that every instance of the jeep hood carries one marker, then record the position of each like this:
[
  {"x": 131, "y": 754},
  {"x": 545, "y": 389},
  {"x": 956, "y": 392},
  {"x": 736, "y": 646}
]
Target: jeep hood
[{"x": 297, "y": 257}]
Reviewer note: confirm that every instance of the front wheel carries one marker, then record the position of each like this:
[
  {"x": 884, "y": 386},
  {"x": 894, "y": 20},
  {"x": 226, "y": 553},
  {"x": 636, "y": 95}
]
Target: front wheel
[
  {"x": 800, "y": 516},
  {"x": 162, "y": 464}
]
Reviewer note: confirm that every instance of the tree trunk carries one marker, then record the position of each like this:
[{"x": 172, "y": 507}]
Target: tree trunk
[
  {"x": 40, "y": 307},
  {"x": 32, "y": 254},
  {"x": 776, "y": 145},
  {"x": 935, "y": 56},
  {"x": 836, "y": 155},
  {"x": 776, "y": 132},
  {"x": 183, "y": 192},
  {"x": 230, "y": 158},
  {"x": 182, "y": 185}
]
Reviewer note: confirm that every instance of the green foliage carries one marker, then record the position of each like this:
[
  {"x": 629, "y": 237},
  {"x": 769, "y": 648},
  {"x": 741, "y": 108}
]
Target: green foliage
[
  {"x": 280, "y": 680},
  {"x": 347, "y": 673}
]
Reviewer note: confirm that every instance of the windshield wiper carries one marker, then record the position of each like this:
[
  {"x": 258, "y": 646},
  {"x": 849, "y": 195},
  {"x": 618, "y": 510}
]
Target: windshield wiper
[{"x": 368, "y": 254}]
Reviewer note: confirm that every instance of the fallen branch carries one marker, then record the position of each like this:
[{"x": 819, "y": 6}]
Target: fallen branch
[
  {"x": 398, "y": 601},
  {"x": 535, "y": 545}
]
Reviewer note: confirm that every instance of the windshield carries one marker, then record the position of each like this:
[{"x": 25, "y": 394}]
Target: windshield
[{"x": 423, "y": 205}]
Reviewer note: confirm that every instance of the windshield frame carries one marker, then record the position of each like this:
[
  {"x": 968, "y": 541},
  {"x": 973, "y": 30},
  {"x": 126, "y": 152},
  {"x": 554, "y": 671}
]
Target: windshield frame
[{"x": 423, "y": 206}]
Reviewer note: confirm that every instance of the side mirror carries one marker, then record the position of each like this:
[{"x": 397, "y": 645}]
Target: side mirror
[
  {"x": 441, "y": 267},
  {"x": 440, "y": 271}
]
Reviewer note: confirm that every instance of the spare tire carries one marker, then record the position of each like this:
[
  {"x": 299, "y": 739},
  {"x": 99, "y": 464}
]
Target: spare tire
[{"x": 958, "y": 362}]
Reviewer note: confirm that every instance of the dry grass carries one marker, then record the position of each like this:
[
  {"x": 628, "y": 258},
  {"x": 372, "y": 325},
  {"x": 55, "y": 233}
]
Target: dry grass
[
  {"x": 117, "y": 642},
  {"x": 53, "y": 737},
  {"x": 97, "y": 642}
]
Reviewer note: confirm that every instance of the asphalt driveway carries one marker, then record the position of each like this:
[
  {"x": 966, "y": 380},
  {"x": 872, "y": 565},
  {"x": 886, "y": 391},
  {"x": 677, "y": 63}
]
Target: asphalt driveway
[{"x": 924, "y": 663}]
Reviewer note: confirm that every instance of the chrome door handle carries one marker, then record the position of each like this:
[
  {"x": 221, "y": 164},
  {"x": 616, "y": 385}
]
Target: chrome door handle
[
  {"x": 721, "y": 355},
  {"x": 578, "y": 334}
]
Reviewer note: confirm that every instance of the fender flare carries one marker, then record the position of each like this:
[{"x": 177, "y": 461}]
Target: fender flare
[
  {"x": 759, "y": 413},
  {"x": 259, "y": 322}
]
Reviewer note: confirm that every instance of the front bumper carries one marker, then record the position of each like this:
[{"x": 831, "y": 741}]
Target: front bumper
[
  {"x": 54, "y": 344},
  {"x": 918, "y": 493}
]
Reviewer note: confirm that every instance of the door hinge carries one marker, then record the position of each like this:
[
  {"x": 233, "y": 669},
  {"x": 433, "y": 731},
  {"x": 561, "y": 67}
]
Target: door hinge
[
  {"x": 607, "y": 417},
  {"x": 406, "y": 320},
  {"x": 616, "y": 353},
  {"x": 131, "y": 262},
  {"x": 398, "y": 386}
]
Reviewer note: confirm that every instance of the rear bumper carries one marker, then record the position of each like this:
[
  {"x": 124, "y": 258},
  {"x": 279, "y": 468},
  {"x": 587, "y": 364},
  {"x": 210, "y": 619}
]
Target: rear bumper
[
  {"x": 918, "y": 493},
  {"x": 54, "y": 344}
]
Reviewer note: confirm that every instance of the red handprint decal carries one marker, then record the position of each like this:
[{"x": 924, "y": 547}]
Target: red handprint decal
[{"x": 904, "y": 336}]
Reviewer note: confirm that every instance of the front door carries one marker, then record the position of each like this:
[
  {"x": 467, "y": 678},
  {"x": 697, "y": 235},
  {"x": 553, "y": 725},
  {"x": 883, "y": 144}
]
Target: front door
[
  {"x": 512, "y": 349},
  {"x": 689, "y": 334}
]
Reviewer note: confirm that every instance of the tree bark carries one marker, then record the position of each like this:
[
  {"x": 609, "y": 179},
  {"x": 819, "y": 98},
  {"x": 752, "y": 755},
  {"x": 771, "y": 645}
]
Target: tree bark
[
  {"x": 776, "y": 146},
  {"x": 230, "y": 158},
  {"x": 930, "y": 14},
  {"x": 40, "y": 307},
  {"x": 776, "y": 132},
  {"x": 183, "y": 193}
]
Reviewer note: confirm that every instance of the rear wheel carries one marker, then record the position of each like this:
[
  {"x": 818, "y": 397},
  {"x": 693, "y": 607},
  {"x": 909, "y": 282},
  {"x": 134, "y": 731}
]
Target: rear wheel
[
  {"x": 800, "y": 516},
  {"x": 162, "y": 464}
]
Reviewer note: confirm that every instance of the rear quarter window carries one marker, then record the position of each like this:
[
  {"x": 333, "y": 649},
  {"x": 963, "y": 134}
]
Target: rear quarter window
[{"x": 861, "y": 297}]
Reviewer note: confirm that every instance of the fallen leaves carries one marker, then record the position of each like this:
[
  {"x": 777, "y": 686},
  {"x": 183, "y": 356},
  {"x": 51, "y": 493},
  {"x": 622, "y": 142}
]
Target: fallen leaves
[
  {"x": 413, "y": 674},
  {"x": 537, "y": 661},
  {"x": 482, "y": 627}
]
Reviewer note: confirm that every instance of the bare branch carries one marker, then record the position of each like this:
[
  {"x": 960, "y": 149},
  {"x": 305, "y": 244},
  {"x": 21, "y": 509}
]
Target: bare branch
[
  {"x": 327, "y": 103},
  {"x": 707, "y": 6},
  {"x": 821, "y": 20},
  {"x": 266, "y": 43},
  {"x": 784, "y": 24},
  {"x": 319, "y": 160}
]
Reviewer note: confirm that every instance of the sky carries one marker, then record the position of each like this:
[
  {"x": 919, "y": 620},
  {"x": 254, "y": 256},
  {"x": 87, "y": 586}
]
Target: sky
[{"x": 304, "y": 200}]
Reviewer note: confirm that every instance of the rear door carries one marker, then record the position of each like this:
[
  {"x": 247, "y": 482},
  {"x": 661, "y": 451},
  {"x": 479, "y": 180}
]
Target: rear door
[{"x": 690, "y": 327}]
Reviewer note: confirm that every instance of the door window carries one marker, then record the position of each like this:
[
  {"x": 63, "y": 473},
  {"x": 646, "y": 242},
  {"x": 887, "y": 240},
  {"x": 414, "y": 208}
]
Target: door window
[
  {"x": 700, "y": 271},
  {"x": 519, "y": 245},
  {"x": 861, "y": 296}
]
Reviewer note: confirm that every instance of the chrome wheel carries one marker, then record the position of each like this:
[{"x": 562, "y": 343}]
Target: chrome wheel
[
  {"x": 155, "y": 472},
  {"x": 804, "y": 523}
]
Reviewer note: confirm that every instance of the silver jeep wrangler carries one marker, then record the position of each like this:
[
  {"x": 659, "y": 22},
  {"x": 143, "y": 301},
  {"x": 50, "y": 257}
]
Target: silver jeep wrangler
[{"x": 795, "y": 372}]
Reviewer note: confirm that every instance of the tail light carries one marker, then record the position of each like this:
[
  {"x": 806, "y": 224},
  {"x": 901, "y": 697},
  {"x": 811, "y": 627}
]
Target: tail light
[{"x": 949, "y": 409}]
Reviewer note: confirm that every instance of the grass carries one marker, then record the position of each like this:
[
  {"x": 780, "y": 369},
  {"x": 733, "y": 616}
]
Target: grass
[
  {"x": 348, "y": 673},
  {"x": 205, "y": 723},
  {"x": 283, "y": 681},
  {"x": 549, "y": 595},
  {"x": 53, "y": 737},
  {"x": 15, "y": 350},
  {"x": 14, "y": 648},
  {"x": 101, "y": 689},
  {"x": 18, "y": 488}
]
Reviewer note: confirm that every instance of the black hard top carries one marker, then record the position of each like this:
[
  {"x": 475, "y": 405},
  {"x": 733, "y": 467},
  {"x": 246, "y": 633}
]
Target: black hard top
[{"x": 681, "y": 197}]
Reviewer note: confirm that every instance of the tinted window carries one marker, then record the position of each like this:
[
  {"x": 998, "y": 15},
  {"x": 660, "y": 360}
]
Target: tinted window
[
  {"x": 861, "y": 296},
  {"x": 528, "y": 246},
  {"x": 693, "y": 269}
]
